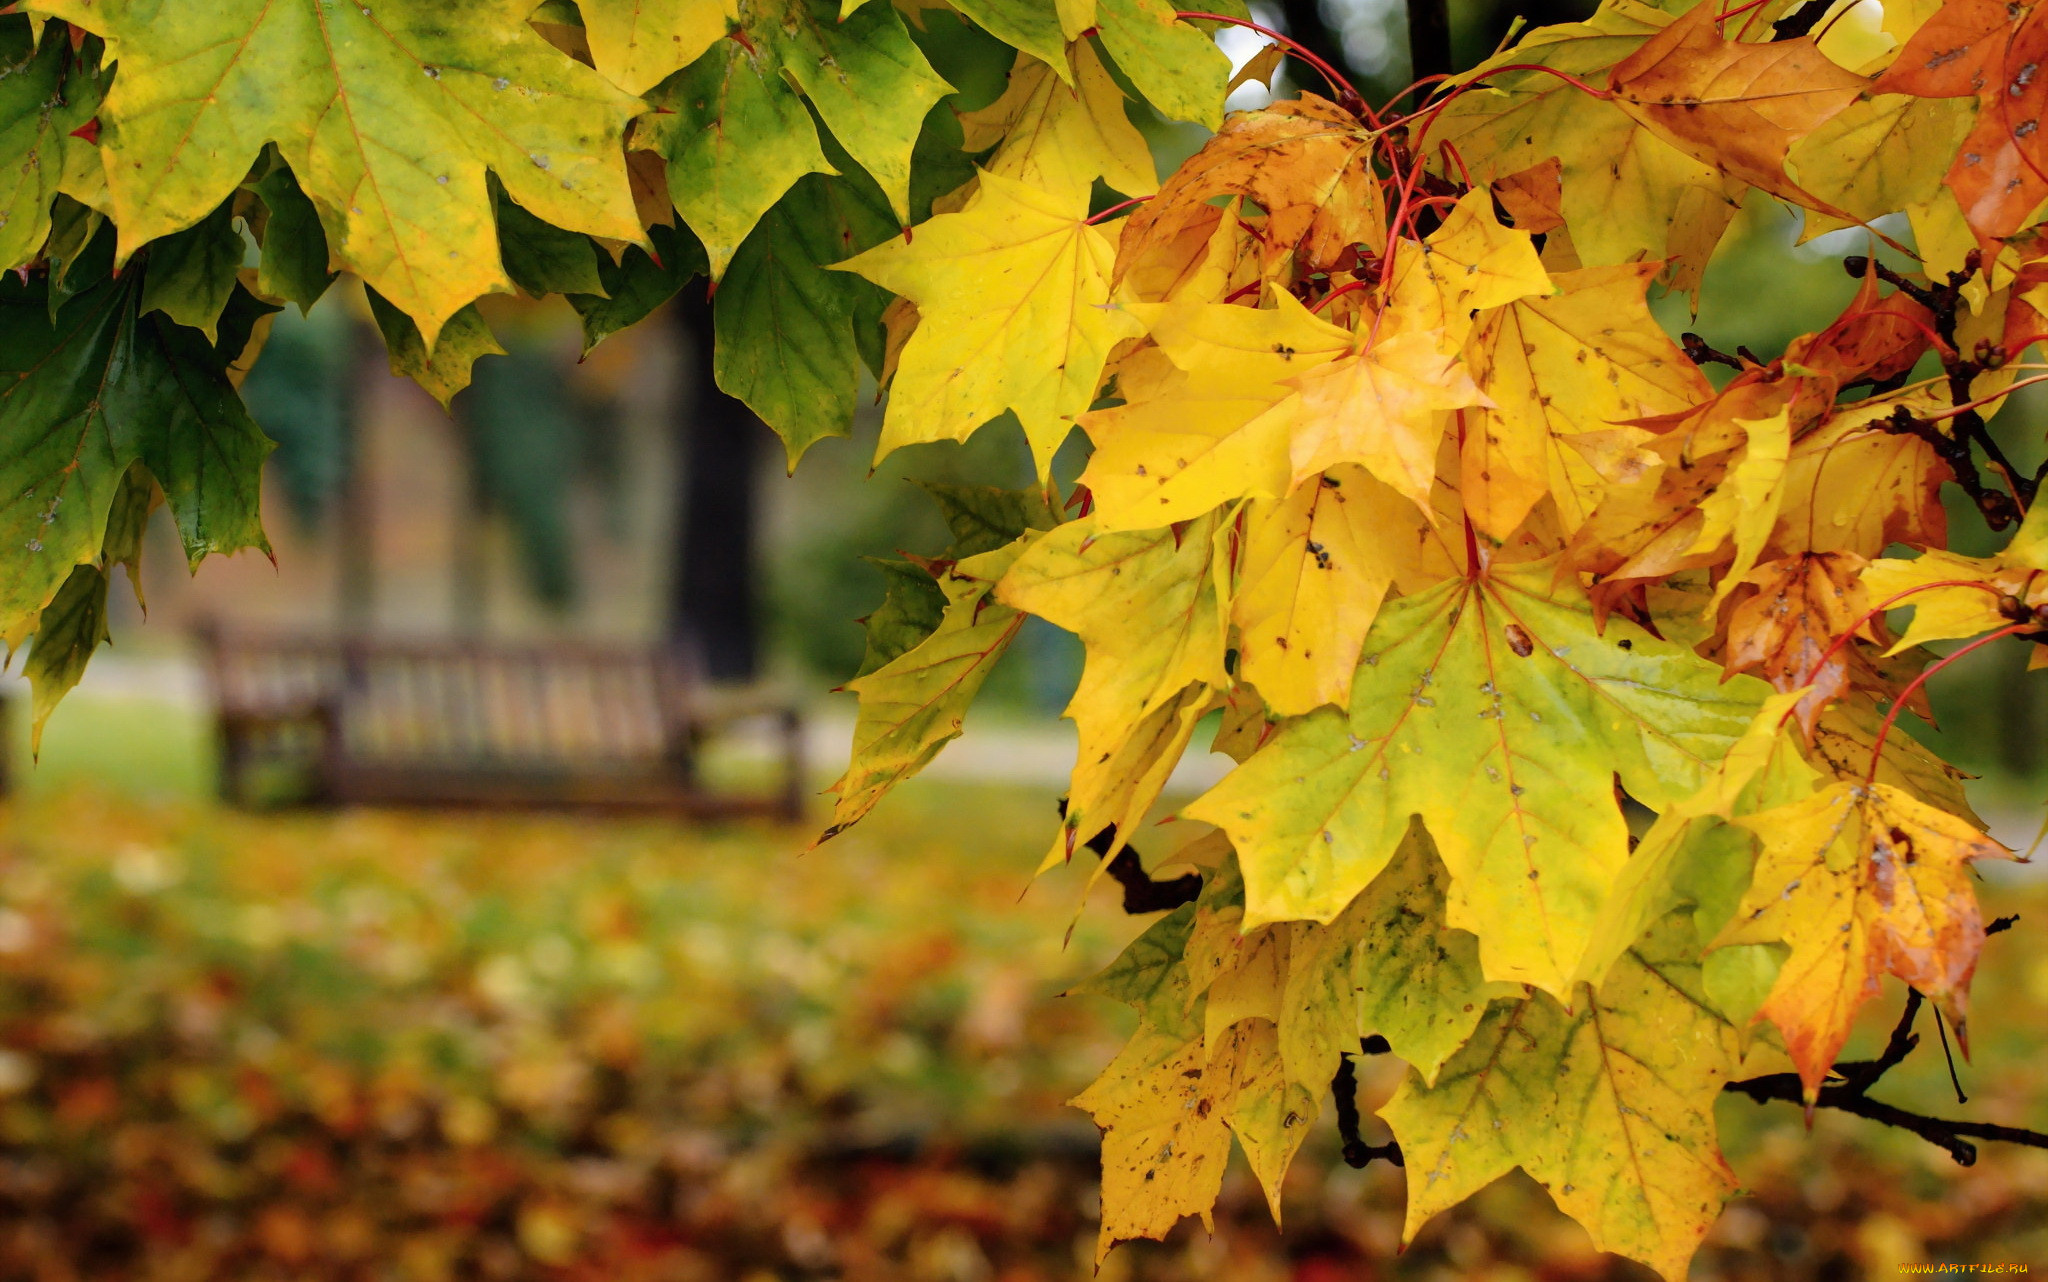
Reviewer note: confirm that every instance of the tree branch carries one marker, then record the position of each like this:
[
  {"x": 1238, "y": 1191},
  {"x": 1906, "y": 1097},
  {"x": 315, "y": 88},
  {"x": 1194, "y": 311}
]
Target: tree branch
[
  {"x": 1142, "y": 894},
  {"x": 1344, "y": 1087},
  {"x": 1800, "y": 21}
]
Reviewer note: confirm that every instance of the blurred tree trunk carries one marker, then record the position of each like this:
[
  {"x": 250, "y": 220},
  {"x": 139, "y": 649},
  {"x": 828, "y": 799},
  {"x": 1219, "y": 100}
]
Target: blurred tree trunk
[
  {"x": 713, "y": 600},
  {"x": 1429, "y": 39},
  {"x": 364, "y": 367},
  {"x": 1303, "y": 21}
]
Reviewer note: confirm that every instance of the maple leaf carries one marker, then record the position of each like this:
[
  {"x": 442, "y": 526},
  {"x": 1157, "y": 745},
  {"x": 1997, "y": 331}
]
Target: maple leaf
[
  {"x": 1172, "y": 62},
  {"x": 1388, "y": 965},
  {"x": 1697, "y": 858},
  {"x": 1608, "y": 1104},
  {"x": 1380, "y": 407},
  {"x": 1852, "y": 487},
  {"x": 1012, "y": 295},
  {"x": 45, "y": 97},
  {"x": 86, "y": 394},
  {"x": 445, "y": 370},
  {"x": 916, "y": 703},
  {"x": 1860, "y": 880},
  {"x": 736, "y": 138},
  {"x": 1736, "y": 105},
  {"x": 1204, "y": 262},
  {"x": 790, "y": 328},
  {"x": 1953, "y": 596},
  {"x": 1986, "y": 50},
  {"x": 1040, "y": 31},
  {"x": 1626, "y": 193},
  {"x": 1718, "y": 489},
  {"x": 636, "y": 44},
  {"x": 865, "y": 76},
  {"x": 1492, "y": 708},
  {"x": 1193, "y": 977},
  {"x": 1876, "y": 156},
  {"x": 390, "y": 120},
  {"x": 1060, "y": 129},
  {"x": 1307, "y": 164},
  {"x": 1469, "y": 263},
  {"x": 1151, "y": 618},
  {"x": 69, "y": 629},
  {"x": 1196, "y": 435},
  {"x": 1269, "y": 1112},
  {"x": 1586, "y": 359},
  {"x": 1165, "y": 1140},
  {"x": 1789, "y": 628},
  {"x": 1314, "y": 569}
]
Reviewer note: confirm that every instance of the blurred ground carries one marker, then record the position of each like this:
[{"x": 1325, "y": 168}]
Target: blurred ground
[{"x": 371, "y": 1046}]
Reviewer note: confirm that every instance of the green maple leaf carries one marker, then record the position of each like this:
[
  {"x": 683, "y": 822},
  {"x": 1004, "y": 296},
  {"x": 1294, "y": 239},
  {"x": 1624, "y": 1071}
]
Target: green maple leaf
[
  {"x": 541, "y": 258},
  {"x": 390, "y": 114},
  {"x": 1492, "y": 708},
  {"x": 81, "y": 399},
  {"x": 72, "y": 626},
  {"x": 916, "y": 703},
  {"x": 1032, "y": 26},
  {"x": 45, "y": 94},
  {"x": 294, "y": 265},
  {"x": 736, "y": 138},
  {"x": 789, "y": 329},
  {"x": 1389, "y": 965},
  {"x": 865, "y": 76},
  {"x": 1174, "y": 64},
  {"x": 191, "y": 274},
  {"x": 638, "y": 283},
  {"x": 1608, "y": 1104},
  {"x": 445, "y": 370}
]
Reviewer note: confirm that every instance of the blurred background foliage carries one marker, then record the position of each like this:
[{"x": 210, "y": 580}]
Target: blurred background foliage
[{"x": 371, "y": 1046}]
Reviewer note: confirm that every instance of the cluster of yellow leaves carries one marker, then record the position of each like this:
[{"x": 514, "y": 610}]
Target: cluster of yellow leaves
[
  {"x": 1392, "y": 465},
  {"x": 1392, "y": 468}
]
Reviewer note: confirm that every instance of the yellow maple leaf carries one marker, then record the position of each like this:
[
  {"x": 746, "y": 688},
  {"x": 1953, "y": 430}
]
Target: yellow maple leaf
[
  {"x": 1203, "y": 262},
  {"x": 1469, "y": 263},
  {"x": 1314, "y": 571},
  {"x": 1060, "y": 137},
  {"x": 1584, "y": 360},
  {"x": 1381, "y": 407},
  {"x": 636, "y": 44},
  {"x": 1165, "y": 1140},
  {"x": 1197, "y": 437},
  {"x": 1743, "y": 508},
  {"x": 1151, "y": 618},
  {"x": 1013, "y": 298}
]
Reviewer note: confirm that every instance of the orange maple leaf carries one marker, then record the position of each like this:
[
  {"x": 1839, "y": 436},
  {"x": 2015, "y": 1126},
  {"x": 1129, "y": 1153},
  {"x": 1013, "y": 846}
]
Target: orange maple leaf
[
  {"x": 1861, "y": 881},
  {"x": 1735, "y": 105},
  {"x": 1788, "y": 629},
  {"x": 1991, "y": 50}
]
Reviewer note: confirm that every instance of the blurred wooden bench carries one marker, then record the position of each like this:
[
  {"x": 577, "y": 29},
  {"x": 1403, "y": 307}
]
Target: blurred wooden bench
[{"x": 362, "y": 721}]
